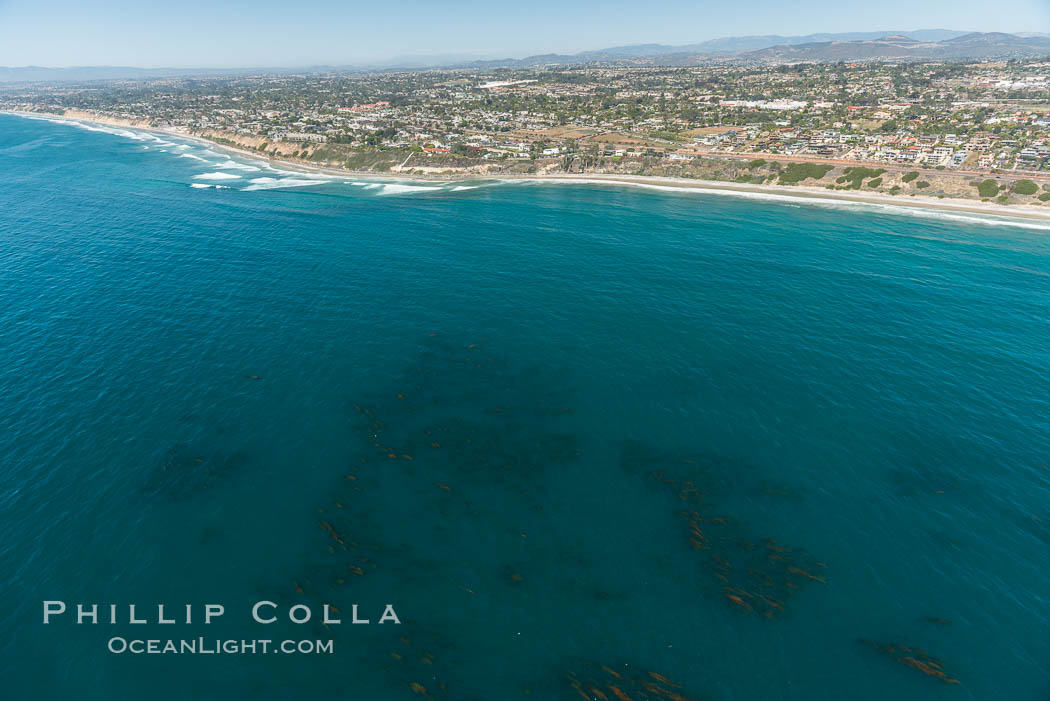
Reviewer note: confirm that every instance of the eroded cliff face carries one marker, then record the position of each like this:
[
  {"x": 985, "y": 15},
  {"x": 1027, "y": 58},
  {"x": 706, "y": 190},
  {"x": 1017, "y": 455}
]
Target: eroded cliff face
[
  {"x": 106, "y": 119},
  {"x": 253, "y": 143},
  {"x": 930, "y": 186}
]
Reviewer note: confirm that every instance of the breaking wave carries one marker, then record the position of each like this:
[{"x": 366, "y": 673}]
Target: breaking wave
[
  {"x": 818, "y": 201},
  {"x": 234, "y": 165},
  {"x": 396, "y": 188},
  {"x": 217, "y": 176},
  {"x": 277, "y": 183}
]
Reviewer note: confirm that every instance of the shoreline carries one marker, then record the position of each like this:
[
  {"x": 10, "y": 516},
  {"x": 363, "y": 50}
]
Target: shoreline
[{"x": 797, "y": 193}]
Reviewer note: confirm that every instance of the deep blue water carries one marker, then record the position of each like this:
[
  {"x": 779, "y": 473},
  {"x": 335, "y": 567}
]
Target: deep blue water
[{"x": 200, "y": 389}]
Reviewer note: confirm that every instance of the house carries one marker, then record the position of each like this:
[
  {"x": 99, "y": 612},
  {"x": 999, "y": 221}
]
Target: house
[{"x": 303, "y": 136}]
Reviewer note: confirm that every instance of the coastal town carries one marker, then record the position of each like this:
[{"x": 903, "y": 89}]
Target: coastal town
[{"x": 975, "y": 130}]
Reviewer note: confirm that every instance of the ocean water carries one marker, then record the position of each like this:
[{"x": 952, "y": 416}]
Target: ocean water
[{"x": 576, "y": 435}]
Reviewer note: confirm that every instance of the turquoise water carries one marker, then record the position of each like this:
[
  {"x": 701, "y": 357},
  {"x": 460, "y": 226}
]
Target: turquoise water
[{"x": 200, "y": 388}]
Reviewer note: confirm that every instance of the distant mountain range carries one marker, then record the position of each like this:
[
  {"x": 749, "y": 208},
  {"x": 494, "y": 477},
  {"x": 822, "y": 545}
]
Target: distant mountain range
[
  {"x": 925, "y": 44},
  {"x": 918, "y": 45},
  {"x": 898, "y": 46},
  {"x": 737, "y": 45}
]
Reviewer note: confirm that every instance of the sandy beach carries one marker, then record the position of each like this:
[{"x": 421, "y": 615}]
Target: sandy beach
[
  {"x": 800, "y": 193},
  {"x": 795, "y": 193}
]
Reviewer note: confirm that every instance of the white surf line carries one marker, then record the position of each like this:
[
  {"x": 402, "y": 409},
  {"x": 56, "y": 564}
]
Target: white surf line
[
  {"x": 959, "y": 213},
  {"x": 947, "y": 210}
]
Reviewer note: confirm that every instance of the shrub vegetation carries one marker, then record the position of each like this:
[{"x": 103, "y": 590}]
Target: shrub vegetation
[
  {"x": 855, "y": 176},
  {"x": 1025, "y": 187},
  {"x": 988, "y": 188},
  {"x": 797, "y": 172}
]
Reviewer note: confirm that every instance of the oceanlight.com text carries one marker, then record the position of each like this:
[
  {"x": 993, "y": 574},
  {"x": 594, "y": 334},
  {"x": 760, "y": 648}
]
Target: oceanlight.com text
[{"x": 211, "y": 646}]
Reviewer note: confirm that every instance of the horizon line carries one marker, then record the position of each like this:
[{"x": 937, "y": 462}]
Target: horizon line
[{"x": 394, "y": 61}]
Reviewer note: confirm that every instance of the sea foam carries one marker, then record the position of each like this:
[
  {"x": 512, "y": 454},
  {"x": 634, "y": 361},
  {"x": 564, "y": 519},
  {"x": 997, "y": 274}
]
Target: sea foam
[
  {"x": 795, "y": 200},
  {"x": 234, "y": 165},
  {"x": 217, "y": 176},
  {"x": 277, "y": 183}
]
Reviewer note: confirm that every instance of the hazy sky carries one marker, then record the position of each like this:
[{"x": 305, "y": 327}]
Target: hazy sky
[{"x": 230, "y": 33}]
